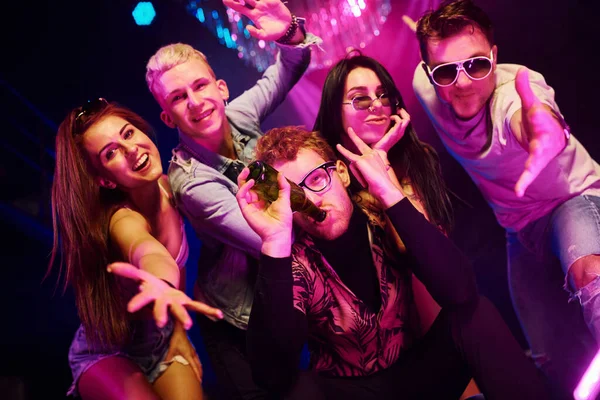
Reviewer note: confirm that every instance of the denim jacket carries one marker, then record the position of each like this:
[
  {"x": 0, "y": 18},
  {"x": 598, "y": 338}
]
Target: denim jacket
[{"x": 228, "y": 260}]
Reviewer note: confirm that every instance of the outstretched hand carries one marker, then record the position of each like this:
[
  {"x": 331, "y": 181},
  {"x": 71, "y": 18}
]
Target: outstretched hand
[
  {"x": 271, "y": 18},
  {"x": 165, "y": 298},
  {"x": 544, "y": 132}
]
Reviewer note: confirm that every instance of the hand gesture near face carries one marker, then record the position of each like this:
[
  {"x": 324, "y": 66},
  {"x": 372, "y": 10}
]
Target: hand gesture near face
[
  {"x": 542, "y": 129},
  {"x": 165, "y": 298},
  {"x": 271, "y": 18},
  {"x": 272, "y": 222},
  {"x": 387, "y": 141},
  {"x": 394, "y": 134},
  {"x": 370, "y": 167}
]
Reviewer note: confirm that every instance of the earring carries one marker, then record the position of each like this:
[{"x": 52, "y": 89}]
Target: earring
[{"x": 226, "y": 102}]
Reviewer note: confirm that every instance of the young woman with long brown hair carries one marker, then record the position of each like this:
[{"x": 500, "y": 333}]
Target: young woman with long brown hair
[{"x": 112, "y": 203}]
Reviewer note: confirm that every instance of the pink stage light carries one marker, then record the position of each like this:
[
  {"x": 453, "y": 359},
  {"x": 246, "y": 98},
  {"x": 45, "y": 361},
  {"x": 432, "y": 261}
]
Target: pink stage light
[
  {"x": 589, "y": 386},
  {"x": 342, "y": 24}
]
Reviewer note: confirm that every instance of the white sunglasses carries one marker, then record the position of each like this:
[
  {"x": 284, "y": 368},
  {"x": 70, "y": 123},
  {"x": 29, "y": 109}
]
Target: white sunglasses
[{"x": 476, "y": 68}]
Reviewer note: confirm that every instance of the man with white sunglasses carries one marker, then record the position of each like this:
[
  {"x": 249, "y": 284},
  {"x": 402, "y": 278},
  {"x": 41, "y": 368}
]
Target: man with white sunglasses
[{"x": 501, "y": 122}]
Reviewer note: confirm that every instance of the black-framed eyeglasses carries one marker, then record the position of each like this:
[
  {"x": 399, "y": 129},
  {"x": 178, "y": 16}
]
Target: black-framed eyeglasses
[
  {"x": 319, "y": 178},
  {"x": 476, "y": 68},
  {"x": 360, "y": 103},
  {"x": 89, "y": 108}
]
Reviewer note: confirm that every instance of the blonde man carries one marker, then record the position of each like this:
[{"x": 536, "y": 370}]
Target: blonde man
[{"x": 217, "y": 139}]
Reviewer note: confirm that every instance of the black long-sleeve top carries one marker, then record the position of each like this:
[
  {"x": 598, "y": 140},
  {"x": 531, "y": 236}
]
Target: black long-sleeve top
[{"x": 277, "y": 330}]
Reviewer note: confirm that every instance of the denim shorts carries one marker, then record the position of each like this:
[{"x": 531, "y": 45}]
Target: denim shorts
[{"x": 147, "y": 349}]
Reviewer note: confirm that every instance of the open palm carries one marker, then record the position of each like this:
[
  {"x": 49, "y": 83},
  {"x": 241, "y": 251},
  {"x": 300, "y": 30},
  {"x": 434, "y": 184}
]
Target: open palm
[
  {"x": 545, "y": 133},
  {"x": 271, "y": 18}
]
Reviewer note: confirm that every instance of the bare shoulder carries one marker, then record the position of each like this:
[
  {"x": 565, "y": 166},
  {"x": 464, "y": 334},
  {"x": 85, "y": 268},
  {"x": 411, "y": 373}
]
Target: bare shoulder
[{"x": 127, "y": 218}]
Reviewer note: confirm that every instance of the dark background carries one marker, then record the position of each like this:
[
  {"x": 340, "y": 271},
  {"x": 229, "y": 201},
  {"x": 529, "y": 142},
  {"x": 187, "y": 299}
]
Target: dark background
[{"x": 57, "y": 54}]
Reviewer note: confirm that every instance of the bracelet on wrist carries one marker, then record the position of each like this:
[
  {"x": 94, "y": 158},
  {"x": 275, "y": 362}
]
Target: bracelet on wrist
[{"x": 291, "y": 31}]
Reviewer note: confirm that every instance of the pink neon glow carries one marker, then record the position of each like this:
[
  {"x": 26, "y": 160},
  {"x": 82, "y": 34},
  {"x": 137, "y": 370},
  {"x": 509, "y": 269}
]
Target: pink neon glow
[
  {"x": 261, "y": 44},
  {"x": 355, "y": 8},
  {"x": 588, "y": 386}
]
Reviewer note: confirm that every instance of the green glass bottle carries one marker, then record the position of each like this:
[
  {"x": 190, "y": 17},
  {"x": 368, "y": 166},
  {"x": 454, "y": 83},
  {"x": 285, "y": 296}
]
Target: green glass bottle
[{"x": 267, "y": 188}]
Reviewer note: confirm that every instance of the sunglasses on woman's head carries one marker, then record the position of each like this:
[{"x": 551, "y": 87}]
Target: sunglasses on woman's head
[
  {"x": 476, "y": 68},
  {"x": 89, "y": 108}
]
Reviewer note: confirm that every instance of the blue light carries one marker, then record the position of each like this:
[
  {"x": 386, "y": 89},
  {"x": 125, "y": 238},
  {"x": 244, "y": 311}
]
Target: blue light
[
  {"x": 200, "y": 15},
  {"x": 227, "y": 36},
  {"x": 219, "y": 31},
  {"x": 215, "y": 14},
  {"x": 143, "y": 13}
]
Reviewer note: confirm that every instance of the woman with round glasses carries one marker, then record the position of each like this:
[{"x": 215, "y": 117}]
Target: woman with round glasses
[
  {"x": 112, "y": 203},
  {"x": 359, "y": 94},
  {"x": 360, "y": 97}
]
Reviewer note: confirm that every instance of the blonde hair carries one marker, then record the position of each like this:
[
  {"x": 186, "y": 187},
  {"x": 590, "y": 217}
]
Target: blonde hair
[{"x": 170, "y": 56}]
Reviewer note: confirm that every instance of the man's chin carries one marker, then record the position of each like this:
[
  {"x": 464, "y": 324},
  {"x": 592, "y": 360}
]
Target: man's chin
[
  {"x": 465, "y": 114},
  {"x": 199, "y": 130},
  {"x": 329, "y": 232}
]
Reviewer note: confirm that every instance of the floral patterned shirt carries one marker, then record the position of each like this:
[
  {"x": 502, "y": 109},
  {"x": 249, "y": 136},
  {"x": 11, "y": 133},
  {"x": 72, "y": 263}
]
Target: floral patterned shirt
[
  {"x": 345, "y": 337},
  {"x": 301, "y": 298}
]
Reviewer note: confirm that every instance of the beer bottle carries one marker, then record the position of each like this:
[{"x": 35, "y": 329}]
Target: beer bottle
[{"x": 267, "y": 188}]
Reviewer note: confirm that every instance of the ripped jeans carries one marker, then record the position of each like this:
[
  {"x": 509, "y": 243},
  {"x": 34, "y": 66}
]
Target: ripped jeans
[{"x": 539, "y": 257}]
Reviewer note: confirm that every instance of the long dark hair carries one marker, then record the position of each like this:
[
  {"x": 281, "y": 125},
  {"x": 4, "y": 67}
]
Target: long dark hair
[
  {"x": 410, "y": 157},
  {"x": 81, "y": 212}
]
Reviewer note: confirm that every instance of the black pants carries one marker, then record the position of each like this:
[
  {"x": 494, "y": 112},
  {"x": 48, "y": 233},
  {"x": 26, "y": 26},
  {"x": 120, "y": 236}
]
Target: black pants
[
  {"x": 469, "y": 341},
  {"x": 226, "y": 347}
]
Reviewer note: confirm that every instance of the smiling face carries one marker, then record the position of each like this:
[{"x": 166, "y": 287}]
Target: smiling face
[
  {"x": 465, "y": 96},
  {"x": 122, "y": 155},
  {"x": 193, "y": 100},
  {"x": 334, "y": 200},
  {"x": 371, "y": 124}
]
